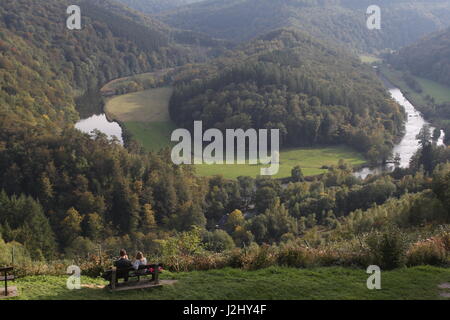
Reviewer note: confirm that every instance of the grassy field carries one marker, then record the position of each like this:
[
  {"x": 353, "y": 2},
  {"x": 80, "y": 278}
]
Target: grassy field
[
  {"x": 436, "y": 90},
  {"x": 143, "y": 106},
  {"x": 276, "y": 283},
  {"x": 145, "y": 114},
  {"x": 365, "y": 58},
  {"x": 311, "y": 160},
  {"x": 153, "y": 136}
]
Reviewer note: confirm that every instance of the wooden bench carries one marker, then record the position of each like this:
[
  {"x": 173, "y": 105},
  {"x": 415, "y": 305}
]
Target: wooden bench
[
  {"x": 113, "y": 275},
  {"x": 6, "y": 277}
]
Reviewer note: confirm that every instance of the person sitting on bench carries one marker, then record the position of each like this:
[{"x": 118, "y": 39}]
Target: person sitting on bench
[
  {"x": 140, "y": 261},
  {"x": 123, "y": 262}
]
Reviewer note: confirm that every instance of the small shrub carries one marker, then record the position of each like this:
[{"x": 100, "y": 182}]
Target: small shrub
[
  {"x": 431, "y": 251},
  {"x": 208, "y": 261},
  {"x": 264, "y": 257},
  {"x": 295, "y": 256},
  {"x": 388, "y": 248},
  {"x": 445, "y": 238}
]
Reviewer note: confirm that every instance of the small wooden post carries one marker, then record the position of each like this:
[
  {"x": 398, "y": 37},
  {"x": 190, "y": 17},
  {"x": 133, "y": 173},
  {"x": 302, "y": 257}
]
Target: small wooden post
[
  {"x": 156, "y": 274},
  {"x": 100, "y": 254},
  {"x": 113, "y": 278}
]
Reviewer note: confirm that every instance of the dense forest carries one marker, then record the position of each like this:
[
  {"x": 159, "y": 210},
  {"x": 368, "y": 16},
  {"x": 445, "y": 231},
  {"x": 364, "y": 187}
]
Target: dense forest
[
  {"x": 44, "y": 70},
  {"x": 31, "y": 35},
  {"x": 64, "y": 193},
  {"x": 286, "y": 80},
  {"x": 341, "y": 22}
]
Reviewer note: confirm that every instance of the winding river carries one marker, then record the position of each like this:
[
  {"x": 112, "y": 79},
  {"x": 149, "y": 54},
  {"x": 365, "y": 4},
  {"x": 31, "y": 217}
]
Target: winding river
[{"x": 406, "y": 147}]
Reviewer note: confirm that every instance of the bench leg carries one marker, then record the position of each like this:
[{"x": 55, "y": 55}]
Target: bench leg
[
  {"x": 156, "y": 276},
  {"x": 6, "y": 284},
  {"x": 113, "y": 278}
]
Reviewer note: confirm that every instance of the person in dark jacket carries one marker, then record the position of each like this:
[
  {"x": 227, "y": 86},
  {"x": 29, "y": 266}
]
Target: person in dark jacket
[{"x": 123, "y": 263}]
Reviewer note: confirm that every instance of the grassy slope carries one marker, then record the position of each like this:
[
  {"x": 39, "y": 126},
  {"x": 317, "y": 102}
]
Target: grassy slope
[
  {"x": 366, "y": 58},
  {"x": 145, "y": 114},
  {"x": 143, "y": 106},
  {"x": 153, "y": 136},
  {"x": 272, "y": 283},
  {"x": 439, "y": 92},
  {"x": 436, "y": 90}
]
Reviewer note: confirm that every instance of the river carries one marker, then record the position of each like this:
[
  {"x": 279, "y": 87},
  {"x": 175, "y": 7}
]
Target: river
[
  {"x": 409, "y": 145},
  {"x": 101, "y": 123}
]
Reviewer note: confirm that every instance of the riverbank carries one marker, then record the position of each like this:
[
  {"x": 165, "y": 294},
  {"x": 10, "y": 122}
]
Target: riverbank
[
  {"x": 408, "y": 145},
  {"x": 427, "y": 101}
]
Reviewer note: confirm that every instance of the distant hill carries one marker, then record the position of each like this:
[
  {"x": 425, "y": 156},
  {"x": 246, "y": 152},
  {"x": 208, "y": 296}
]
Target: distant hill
[
  {"x": 113, "y": 42},
  {"x": 340, "y": 21},
  {"x": 428, "y": 58},
  {"x": 287, "y": 80},
  {"x": 156, "y": 6}
]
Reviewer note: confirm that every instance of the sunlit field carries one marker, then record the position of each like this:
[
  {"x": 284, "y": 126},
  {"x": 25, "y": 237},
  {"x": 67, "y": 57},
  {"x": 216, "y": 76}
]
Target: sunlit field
[
  {"x": 313, "y": 161},
  {"x": 143, "y": 106}
]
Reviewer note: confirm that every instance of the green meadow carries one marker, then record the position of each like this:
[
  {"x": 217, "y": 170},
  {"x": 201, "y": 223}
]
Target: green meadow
[
  {"x": 331, "y": 283},
  {"x": 145, "y": 115},
  {"x": 153, "y": 136},
  {"x": 439, "y": 92},
  {"x": 365, "y": 58},
  {"x": 311, "y": 160}
]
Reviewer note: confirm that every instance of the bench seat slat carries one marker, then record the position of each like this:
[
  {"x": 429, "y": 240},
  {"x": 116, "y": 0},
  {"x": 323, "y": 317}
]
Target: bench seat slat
[{"x": 2, "y": 278}]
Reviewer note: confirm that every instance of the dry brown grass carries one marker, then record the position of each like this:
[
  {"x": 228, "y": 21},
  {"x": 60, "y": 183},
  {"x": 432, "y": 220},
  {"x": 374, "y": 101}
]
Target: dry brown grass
[{"x": 143, "y": 106}]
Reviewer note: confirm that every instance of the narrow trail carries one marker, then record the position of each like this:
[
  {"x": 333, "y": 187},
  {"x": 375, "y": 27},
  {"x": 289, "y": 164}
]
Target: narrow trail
[{"x": 445, "y": 289}]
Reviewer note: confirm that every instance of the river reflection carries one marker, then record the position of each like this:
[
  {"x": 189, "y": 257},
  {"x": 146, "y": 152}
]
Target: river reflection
[
  {"x": 409, "y": 144},
  {"x": 101, "y": 123}
]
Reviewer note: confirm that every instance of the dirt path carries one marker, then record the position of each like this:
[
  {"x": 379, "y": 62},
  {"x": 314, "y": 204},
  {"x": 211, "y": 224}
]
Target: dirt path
[
  {"x": 445, "y": 290},
  {"x": 157, "y": 75}
]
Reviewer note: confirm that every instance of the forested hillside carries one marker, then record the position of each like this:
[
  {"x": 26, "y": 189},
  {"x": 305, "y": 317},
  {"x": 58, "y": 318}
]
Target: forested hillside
[
  {"x": 54, "y": 177},
  {"x": 109, "y": 45},
  {"x": 339, "y": 21},
  {"x": 286, "y": 80},
  {"x": 428, "y": 58}
]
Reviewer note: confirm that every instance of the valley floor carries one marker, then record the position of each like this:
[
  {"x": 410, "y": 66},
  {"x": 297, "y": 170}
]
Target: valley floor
[
  {"x": 332, "y": 283},
  {"x": 145, "y": 115}
]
